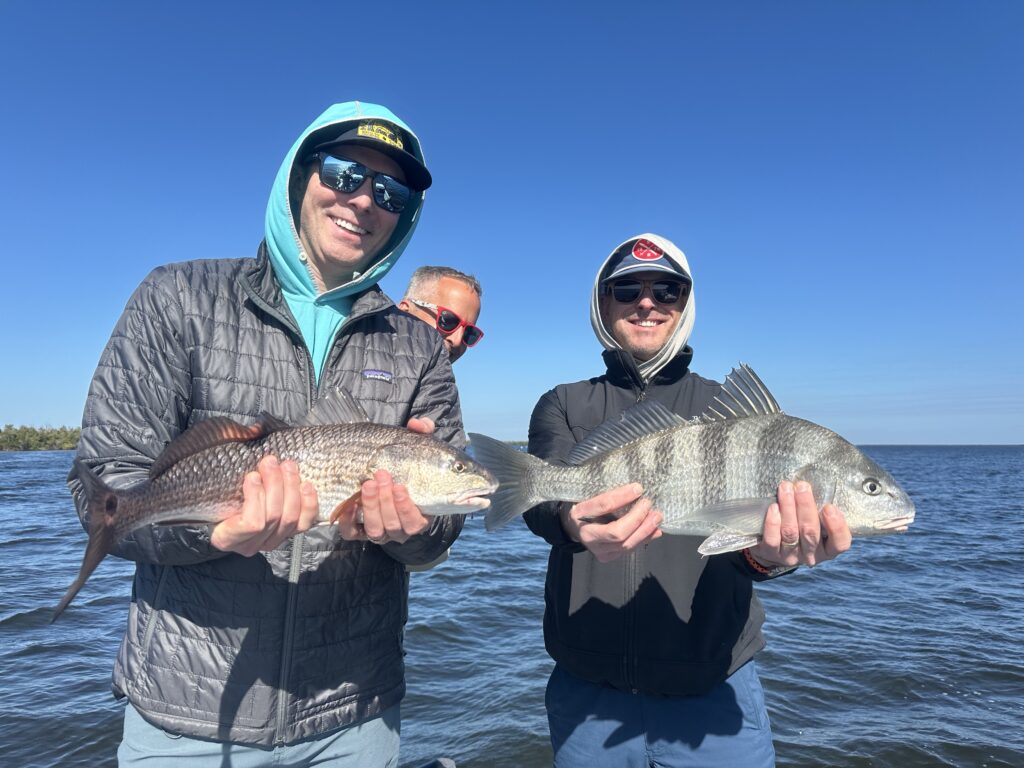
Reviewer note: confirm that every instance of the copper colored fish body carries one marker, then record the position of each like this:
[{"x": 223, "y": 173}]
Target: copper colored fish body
[{"x": 198, "y": 478}]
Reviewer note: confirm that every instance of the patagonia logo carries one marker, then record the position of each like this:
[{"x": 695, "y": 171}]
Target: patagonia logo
[
  {"x": 381, "y": 132},
  {"x": 373, "y": 373},
  {"x": 645, "y": 250}
]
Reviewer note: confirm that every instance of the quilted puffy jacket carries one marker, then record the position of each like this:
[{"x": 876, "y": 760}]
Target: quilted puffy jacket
[{"x": 288, "y": 644}]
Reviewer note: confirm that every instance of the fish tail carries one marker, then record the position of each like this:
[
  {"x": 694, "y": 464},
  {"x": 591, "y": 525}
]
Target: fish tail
[
  {"x": 512, "y": 469},
  {"x": 101, "y": 505}
]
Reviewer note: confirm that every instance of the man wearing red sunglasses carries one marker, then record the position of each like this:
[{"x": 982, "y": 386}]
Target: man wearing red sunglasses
[
  {"x": 654, "y": 644},
  {"x": 448, "y": 300}
]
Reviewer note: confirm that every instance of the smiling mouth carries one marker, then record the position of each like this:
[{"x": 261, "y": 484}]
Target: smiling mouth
[
  {"x": 348, "y": 226},
  {"x": 648, "y": 323}
]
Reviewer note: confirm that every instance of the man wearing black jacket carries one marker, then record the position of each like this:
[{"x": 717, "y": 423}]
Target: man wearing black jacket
[{"x": 654, "y": 644}]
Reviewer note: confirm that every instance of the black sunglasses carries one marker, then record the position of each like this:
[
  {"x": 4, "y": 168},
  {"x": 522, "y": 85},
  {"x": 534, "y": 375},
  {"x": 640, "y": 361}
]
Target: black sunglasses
[
  {"x": 448, "y": 322},
  {"x": 347, "y": 176},
  {"x": 628, "y": 290}
]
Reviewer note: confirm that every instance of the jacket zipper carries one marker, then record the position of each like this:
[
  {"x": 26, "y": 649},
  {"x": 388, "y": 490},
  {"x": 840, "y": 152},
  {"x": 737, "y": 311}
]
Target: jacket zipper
[
  {"x": 295, "y": 568},
  {"x": 641, "y": 392},
  {"x": 289, "y": 634},
  {"x": 629, "y": 662},
  {"x": 341, "y": 331}
]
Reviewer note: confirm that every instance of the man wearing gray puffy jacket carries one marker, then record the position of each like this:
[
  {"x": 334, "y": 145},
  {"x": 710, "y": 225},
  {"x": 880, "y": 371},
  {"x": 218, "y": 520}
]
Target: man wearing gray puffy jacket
[{"x": 263, "y": 640}]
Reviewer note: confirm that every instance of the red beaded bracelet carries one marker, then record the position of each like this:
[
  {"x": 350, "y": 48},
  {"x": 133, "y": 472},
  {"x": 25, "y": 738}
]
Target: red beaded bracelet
[
  {"x": 772, "y": 572},
  {"x": 754, "y": 564}
]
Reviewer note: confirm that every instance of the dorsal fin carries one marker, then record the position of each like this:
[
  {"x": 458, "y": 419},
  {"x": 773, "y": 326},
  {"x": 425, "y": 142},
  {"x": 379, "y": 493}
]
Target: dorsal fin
[
  {"x": 271, "y": 423},
  {"x": 639, "y": 421},
  {"x": 336, "y": 407},
  {"x": 208, "y": 433},
  {"x": 743, "y": 394}
]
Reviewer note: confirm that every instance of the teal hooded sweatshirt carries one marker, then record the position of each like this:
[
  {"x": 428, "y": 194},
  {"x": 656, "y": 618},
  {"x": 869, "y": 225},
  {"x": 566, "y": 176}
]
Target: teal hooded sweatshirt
[{"x": 320, "y": 315}]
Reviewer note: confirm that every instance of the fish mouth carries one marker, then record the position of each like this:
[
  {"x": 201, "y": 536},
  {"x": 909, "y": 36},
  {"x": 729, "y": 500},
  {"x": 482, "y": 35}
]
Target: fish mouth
[
  {"x": 474, "y": 497},
  {"x": 898, "y": 524}
]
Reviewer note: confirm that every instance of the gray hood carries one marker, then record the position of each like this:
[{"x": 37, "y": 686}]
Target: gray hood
[{"x": 679, "y": 337}]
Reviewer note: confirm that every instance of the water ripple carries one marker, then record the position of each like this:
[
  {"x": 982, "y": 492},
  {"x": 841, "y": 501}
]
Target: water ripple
[{"x": 904, "y": 652}]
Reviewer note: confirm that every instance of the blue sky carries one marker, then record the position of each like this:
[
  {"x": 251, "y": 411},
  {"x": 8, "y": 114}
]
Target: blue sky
[{"x": 846, "y": 179}]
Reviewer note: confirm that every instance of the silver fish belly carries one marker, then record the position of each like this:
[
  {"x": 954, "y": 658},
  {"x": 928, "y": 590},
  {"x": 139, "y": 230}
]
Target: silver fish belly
[{"x": 714, "y": 476}]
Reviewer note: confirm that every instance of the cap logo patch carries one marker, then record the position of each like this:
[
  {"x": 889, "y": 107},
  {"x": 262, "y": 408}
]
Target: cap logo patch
[
  {"x": 381, "y": 132},
  {"x": 645, "y": 250}
]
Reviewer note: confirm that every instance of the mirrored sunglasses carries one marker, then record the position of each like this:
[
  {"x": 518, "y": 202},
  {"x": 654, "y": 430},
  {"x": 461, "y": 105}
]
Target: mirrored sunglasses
[
  {"x": 448, "y": 322},
  {"x": 629, "y": 290},
  {"x": 347, "y": 176}
]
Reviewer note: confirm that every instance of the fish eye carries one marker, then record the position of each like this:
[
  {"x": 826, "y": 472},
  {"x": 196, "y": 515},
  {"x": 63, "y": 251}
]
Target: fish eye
[
  {"x": 459, "y": 467},
  {"x": 871, "y": 486}
]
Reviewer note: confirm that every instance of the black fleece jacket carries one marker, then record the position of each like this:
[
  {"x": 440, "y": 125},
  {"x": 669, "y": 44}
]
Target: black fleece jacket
[{"x": 663, "y": 619}]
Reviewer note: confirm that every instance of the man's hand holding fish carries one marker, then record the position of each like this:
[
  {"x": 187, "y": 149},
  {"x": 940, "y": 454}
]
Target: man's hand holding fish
[
  {"x": 385, "y": 512},
  {"x": 276, "y": 505},
  {"x": 242, "y": 408},
  {"x": 796, "y": 534},
  {"x": 588, "y": 523},
  {"x": 664, "y": 497}
]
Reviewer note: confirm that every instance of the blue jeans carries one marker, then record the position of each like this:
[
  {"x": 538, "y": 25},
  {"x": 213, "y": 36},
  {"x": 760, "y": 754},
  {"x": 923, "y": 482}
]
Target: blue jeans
[
  {"x": 594, "y": 726},
  {"x": 370, "y": 744}
]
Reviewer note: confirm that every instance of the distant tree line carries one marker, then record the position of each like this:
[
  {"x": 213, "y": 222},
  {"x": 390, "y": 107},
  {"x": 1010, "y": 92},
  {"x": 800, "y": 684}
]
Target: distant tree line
[{"x": 14, "y": 438}]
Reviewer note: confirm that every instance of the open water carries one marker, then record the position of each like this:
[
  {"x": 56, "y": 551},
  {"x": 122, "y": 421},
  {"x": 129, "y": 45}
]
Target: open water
[{"x": 908, "y": 651}]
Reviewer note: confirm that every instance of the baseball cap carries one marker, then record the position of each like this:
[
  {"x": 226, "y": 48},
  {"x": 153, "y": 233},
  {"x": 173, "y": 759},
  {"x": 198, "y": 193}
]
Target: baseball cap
[
  {"x": 641, "y": 255},
  {"x": 388, "y": 139}
]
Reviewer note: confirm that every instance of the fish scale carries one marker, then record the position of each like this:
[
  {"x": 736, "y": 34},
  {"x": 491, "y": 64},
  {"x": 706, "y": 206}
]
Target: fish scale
[
  {"x": 714, "y": 476},
  {"x": 198, "y": 478},
  {"x": 207, "y": 486},
  {"x": 683, "y": 471}
]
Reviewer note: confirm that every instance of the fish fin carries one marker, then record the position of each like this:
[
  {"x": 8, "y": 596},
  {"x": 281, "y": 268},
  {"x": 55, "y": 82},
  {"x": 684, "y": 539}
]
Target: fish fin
[
  {"x": 206, "y": 434},
  {"x": 611, "y": 517},
  {"x": 271, "y": 423},
  {"x": 348, "y": 505},
  {"x": 182, "y": 521},
  {"x": 738, "y": 517},
  {"x": 439, "y": 510},
  {"x": 743, "y": 394},
  {"x": 336, "y": 407},
  {"x": 735, "y": 513},
  {"x": 101, "y": 505},
  {"x": 512, "y": 469},
  {"x": 636, "y": 422},
  {"x": 822, "y": 481},
  {"x": 726, "y": 541}
]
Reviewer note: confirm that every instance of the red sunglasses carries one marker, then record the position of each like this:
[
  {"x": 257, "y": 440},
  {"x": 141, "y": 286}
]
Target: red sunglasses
[{"x": 448, "y": 322}]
